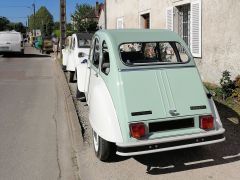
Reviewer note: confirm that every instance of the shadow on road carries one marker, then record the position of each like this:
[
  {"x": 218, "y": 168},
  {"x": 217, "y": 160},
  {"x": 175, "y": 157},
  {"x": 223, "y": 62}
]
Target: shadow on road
[
  {"x": 198, "y": 157},
  {"x": 26, "y": 55}
]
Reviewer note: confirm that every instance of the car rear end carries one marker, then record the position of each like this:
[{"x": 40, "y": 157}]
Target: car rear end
[
  {"x": 47, "y": 45},
  {"x": 165, "y": 103},
  {"x": 11, "y": 42}
]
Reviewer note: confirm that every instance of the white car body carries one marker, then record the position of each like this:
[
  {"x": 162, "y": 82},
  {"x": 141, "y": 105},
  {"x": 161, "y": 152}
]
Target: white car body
[
  {"x": 66, "y": 51},
  {"x": 72, "y": 56},
  {"x": 11, "y": 42}
]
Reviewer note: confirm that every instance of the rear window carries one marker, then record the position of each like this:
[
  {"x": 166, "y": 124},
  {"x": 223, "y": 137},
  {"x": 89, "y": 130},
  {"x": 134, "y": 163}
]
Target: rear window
[
  {"x": 153, "y": 53},
  {"x": 10, "y": 37},
  {"x": 84, "y": 43}
]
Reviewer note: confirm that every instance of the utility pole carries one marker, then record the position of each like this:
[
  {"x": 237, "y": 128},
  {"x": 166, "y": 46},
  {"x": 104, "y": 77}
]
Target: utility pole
[
  {"x": 34, "y": 13},
  {"x": 62, "y": 25},
  {"x": 105, "y": 14}
]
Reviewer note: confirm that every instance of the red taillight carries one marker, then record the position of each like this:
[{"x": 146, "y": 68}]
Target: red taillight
[
  {"x": 207, "y": 122},
  {"x": 137, "y": 130}
]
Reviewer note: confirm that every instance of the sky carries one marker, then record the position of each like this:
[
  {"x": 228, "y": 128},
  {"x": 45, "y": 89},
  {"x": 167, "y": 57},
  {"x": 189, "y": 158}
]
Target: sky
[{"x": 18, "y": 10}]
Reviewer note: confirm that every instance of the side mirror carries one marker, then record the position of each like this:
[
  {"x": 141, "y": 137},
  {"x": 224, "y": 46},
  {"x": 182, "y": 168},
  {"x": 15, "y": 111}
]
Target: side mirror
[{"x": 81, "y": 54}]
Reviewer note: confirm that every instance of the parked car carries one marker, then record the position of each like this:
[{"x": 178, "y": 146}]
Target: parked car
[
  {"x": 79, "y": 50},
  {"x": 11, "y": 42},
  {"x": 66, "y": 52},
  {"x": 145, "y": 94},
  {"x": 47, "y": 45},
  {"x": 38, "y": 43}
]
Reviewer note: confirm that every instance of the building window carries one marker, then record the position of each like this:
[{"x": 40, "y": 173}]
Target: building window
[
  {"x": 145, "y": 21},
  {"x": 183, "y": 18},
  {"x": 187, "y": 22},
  {"x": 119, "y": 23}
]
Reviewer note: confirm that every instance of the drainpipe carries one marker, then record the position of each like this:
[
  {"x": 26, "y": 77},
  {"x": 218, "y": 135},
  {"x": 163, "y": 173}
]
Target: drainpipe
[{"x": 105, "y": 13}]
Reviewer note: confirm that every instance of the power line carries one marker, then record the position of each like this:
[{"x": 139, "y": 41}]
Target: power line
[
  {"x": 15, "y": 7},
  {"x": 12, "y": 17}
]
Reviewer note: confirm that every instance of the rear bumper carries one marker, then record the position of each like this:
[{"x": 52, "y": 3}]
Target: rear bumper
[{"x": 170, "y": 143}]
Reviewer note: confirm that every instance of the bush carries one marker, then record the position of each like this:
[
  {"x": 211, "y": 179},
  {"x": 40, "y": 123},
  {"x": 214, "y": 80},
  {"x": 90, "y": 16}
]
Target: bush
[
  {"x": 236, "y": 91},
  {"x": 227, "y": 85}
]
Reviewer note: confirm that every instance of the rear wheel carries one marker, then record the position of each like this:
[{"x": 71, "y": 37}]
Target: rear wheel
[
  {"x": 80, "y": 95},
  {"x": 104, "y": 150},
  {"x": 71, "y": 77}
]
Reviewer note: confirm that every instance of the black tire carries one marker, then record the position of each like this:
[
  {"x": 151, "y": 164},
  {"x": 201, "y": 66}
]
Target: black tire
[
  {"x": 80, "y": 96},
  {"x": 64, "y": 68},
  {"x": 71, "y": 76},
  {"x": 104, "y": 150}
]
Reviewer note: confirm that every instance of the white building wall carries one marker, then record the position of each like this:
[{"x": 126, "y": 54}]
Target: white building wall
[{"x": 220, "y": 30}]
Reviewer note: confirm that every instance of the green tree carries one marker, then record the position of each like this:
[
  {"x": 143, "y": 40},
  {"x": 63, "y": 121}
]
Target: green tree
[
  {"x": 85, "y": 18},
  {"x": 56, "y": 25},
  {"x": 3, "y": 23},
  {"x": 43, "y": 21},
  {"x": 19, "y": 27}
]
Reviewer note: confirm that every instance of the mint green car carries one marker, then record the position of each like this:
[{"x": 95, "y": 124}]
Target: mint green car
[{"x": 145, "y": 94}]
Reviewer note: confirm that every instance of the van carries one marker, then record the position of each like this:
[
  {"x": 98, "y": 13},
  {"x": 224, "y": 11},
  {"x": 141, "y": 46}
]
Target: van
[{"x": 11, "y": 42}]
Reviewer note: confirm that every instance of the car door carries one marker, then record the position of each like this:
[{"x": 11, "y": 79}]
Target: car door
[
  {"x": 83, "y": 69},
  {"x": 94, "y": 63},
  {"x": 70, "y": 63}
]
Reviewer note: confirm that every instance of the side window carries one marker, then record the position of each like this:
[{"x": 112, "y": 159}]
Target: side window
[
  {"x": 96, "y": 53},
  {"x": 105, "y": 67},
  {"x": 73, "y": 43}
]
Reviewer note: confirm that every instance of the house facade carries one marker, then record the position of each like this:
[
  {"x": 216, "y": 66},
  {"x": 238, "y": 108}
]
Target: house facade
[{"x": 211, "y": 28}]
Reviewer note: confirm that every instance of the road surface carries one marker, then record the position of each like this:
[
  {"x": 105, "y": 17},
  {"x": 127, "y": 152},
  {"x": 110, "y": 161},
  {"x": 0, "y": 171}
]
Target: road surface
[{"x": 34, "y": 135}]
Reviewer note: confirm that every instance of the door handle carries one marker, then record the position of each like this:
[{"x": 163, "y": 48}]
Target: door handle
[{"x": 96, "y": 74}]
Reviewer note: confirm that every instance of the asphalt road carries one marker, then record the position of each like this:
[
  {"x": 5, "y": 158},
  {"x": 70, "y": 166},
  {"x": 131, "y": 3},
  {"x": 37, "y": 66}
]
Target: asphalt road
[
  {"x": 34, "y": 134},
  {"x": 215, "y": 162}
]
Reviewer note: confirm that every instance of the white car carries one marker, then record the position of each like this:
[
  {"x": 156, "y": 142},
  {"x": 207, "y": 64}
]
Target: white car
[
  {"x": 11, "y": 42},
  {"x": 66, "y": 52},
  {"x": 79, "y": 51}
]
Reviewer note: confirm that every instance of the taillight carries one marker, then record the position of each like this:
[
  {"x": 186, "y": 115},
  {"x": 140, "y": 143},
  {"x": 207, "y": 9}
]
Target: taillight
[
  {"x": 137, "y": 130},
  {"x": 207, "y": 122}
]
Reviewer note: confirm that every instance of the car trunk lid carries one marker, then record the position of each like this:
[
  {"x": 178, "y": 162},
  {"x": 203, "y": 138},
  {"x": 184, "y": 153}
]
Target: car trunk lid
[{"x": 163, "y": 93}]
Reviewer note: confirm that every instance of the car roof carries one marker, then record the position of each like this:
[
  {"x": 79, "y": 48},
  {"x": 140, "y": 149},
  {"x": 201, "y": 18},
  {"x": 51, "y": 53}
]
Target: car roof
[
  {"x": 9, "y": 32},
  {"x": 140, "y": 35},
  {"x": 84, "y": 35},
  {"x": 118, "y": 37}
]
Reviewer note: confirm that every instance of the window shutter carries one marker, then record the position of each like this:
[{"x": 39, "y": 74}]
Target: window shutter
[
  {"x": 169, "y": 18},
  {"x": 196, "y": 28}
]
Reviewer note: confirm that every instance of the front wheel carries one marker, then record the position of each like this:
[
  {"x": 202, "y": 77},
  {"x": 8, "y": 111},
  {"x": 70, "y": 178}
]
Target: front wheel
[{"x": 104, "y": 150}]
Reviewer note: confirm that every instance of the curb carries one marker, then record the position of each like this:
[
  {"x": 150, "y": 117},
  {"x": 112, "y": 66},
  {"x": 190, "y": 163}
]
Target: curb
[{"x": 75, "y": 131}]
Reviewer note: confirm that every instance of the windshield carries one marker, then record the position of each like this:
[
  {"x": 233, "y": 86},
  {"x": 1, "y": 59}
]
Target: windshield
[
  {"x": 151, "y": 53},
  {"x": 10, "y": 37}
]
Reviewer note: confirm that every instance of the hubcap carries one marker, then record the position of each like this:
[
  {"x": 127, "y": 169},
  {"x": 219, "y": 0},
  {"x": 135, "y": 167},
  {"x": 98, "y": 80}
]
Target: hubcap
[{"x": 95, "y": 141}]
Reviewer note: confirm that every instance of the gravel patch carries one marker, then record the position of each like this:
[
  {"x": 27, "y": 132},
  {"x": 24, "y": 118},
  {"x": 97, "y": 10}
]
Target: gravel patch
[{"x": 82, "y": 112}]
